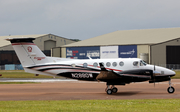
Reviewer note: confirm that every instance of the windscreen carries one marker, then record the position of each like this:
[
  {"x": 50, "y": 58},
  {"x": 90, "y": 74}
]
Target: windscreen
[{"x": 143, "y": 63}]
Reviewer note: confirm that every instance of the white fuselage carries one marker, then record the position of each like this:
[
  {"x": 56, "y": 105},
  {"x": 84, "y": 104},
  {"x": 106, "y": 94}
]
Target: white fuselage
[{"x": 117, "y": 65}]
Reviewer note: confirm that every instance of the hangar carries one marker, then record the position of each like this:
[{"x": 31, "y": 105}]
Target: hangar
[
  {"x": 44, "y": 41},
  {"x": 155, "y": 46}
]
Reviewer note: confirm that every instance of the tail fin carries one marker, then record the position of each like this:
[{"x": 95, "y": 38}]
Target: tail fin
[{"x": 28, "y": 53}]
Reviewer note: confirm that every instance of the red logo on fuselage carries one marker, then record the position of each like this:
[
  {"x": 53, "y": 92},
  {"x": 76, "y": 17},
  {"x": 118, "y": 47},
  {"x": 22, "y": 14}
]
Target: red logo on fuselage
[{"x": 29, "y": 49}]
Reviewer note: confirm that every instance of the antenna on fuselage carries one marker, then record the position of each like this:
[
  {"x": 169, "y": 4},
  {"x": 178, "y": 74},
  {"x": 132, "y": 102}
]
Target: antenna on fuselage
[{"x": 89, "y": 57}]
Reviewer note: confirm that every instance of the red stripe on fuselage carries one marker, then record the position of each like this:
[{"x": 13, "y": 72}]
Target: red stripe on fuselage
[{"x": 23, "y": 43}]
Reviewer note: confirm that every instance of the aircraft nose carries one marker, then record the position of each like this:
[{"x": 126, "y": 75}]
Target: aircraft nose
[
  {"x": 173, "y": 73},
  {"x": 169, "y": 72},
  {"x": 165, "y": 71}
]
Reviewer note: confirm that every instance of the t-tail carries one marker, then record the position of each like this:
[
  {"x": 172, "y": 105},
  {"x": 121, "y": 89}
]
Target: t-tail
[{"x": 28, "y": 53}]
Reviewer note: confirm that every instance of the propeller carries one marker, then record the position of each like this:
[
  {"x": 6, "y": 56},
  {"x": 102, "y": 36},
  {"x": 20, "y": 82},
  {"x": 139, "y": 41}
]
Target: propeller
[{"x": 154, "y": 74}]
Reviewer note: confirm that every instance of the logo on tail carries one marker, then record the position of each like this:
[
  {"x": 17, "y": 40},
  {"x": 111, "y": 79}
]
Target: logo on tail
[{"x": 29, "y": 49}]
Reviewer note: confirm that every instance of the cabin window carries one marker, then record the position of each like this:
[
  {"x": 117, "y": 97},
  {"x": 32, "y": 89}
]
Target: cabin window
[
  {"x": 114, "y": 64},
  {"x": 135, "y": 63},
  {"x": 95, "y": 64},
  {"x": 102, "y": 63},
  {"x": 108, "y": 64},
  {"x": 121, "y": 63},
  {"x": 85, "y": 65}
]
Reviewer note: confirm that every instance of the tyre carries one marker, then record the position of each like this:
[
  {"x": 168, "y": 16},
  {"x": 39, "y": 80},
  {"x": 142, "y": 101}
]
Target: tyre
[
  {"x": 114, "y": 90},
  {"x": 170, "y": 89},
  {"x": 109, "y": 91}
]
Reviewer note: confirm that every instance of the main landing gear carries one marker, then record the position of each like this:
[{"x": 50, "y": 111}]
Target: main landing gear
[
  {"x": 170, "y": 89},
  {"x": 109, "y": 90}
]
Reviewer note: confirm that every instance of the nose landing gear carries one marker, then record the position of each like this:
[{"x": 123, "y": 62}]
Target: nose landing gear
[{"x": 170, "y": 89}]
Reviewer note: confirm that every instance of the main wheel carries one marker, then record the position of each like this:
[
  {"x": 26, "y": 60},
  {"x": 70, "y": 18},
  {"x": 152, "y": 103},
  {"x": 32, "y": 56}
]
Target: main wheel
[
  {"x": 109, "y": 91},
  {"x": 171, "y": 89},
  {"x": 114, "y": 90}
]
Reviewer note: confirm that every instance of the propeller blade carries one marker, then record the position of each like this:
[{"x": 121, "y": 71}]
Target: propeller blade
[
  {"x": 154, "y": 73},
  {"x": 102, "y": 67}
]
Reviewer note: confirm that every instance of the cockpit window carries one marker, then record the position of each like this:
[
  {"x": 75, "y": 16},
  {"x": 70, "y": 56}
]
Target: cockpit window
[
  {"x": 142, "y": 63},
  {"x": 135, "y": 63}
]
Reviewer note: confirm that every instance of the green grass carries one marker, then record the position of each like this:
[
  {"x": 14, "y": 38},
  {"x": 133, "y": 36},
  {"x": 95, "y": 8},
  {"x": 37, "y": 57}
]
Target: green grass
[
  {"x": 17, "y": 82},
  {"x": 157, "y": 105},
  {"x": 20, "y": 74},
  {"x": 177, "y": 76}
]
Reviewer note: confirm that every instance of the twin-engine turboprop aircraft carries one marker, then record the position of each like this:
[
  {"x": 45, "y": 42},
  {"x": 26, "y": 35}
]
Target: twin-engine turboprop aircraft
[{"x": 118, "y": 71}]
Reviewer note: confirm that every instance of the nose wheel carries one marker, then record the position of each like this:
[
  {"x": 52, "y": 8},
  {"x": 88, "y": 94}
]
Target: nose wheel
[
  {"x": 111, "y": 90},
  {"x": 170, "y": 89}
]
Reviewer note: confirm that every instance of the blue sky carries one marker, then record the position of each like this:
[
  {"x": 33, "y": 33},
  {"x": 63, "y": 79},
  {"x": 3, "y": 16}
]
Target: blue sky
[{"x": 83, "y": 19}]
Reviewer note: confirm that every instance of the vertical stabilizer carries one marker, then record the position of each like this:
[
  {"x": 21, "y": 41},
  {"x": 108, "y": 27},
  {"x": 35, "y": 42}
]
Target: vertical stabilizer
[{"x": 28, "y": 53}]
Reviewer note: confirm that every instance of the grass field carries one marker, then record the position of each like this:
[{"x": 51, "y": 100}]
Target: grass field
[
  {"x": 18, "y": 82},
  {"x": 22, "y": 74},
  {"x": 177, "y": 76},
  {"x": 157, "y": 105}
]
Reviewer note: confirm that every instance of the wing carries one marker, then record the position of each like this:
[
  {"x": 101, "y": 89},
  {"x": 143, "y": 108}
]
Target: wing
[{"x": 105, "y": 75}]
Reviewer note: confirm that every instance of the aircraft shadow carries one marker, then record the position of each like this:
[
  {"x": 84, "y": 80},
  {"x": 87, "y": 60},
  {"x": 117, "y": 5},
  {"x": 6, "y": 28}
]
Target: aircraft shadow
[{"x": 126, "y": 93}]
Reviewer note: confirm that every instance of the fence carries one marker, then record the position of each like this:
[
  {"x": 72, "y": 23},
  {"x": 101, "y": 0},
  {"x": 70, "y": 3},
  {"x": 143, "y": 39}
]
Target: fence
[
  {"x": 173, "y": 66},
  {"x": 11, "y": 67},
  {"x": 2, "y": 67}
]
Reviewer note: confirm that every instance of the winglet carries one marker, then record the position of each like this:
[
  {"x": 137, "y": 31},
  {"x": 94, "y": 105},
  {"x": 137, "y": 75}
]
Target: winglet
[{"x": 102, "y": 67}]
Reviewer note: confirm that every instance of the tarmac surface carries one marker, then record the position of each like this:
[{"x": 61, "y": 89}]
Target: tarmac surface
[{"x": 81, "y": 90}]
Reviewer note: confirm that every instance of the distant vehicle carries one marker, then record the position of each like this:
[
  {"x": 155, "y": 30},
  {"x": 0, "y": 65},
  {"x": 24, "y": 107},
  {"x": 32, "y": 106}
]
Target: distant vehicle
[{"x": 118, "y": 71}]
